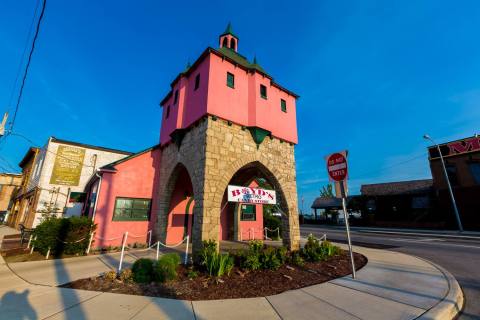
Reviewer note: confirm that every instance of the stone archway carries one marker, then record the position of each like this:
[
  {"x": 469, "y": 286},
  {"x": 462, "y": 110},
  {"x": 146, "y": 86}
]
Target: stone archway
[{"x": 287, "y": 203}]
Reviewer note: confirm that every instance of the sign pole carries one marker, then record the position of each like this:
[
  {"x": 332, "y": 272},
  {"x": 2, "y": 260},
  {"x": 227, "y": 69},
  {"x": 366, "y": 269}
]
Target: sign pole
[{"x": 347, "y": 226}]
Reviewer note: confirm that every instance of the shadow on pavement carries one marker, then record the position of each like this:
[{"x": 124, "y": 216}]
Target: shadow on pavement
[{"x": 17, "y": 304}]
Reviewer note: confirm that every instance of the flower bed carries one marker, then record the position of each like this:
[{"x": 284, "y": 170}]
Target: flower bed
[{"x": 258, "y": 271}]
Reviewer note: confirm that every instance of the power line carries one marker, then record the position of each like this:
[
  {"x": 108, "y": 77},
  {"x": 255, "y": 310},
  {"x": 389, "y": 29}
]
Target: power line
[
  {"x": 32, "y": 49},
  {"x": 30, "y": 30}
]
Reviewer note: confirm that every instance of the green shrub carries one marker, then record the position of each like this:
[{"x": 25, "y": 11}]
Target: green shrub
[
  {"x": 315, "y": 251},
  {"x": 282, "y": 254},
  {"x": 192, "y": 274},
  {"x": 269, "y": 259},
  {"x": 255, "y": 246},
  {"x": 166, "y": 267},
  {"x": 63, "y": 235},
  {"x": 251, "y": 261},
  {"x": 143, "y": 270},
  {"x": 296, "y": 259},
  {"x": 216, "y": 264},
  {"x": 311, "y": 251}
]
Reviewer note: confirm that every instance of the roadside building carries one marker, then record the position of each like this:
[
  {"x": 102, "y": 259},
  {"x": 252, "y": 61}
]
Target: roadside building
[
  {"x": 462, "y": 161},
  {"x": 9, "y": 185},
  {"x": 54, "y": 179},
  {"x": 401, "y": 203},
  {"x": 27, "y": 195},
  {"x": 226, "y": 125}
]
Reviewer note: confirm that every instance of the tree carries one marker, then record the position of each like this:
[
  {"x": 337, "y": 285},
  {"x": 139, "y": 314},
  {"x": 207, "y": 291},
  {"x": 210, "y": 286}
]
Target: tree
[{"x": 327, "y": 191}]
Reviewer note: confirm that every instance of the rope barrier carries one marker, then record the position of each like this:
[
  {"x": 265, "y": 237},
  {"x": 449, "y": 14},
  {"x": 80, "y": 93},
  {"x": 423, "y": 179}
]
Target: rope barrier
[{"x": 71, "y": 242}]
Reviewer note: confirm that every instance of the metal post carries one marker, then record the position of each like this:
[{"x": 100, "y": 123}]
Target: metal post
[
  {"x": 29, "y": 241},
  {"x": 33, "y": 246},
  {"x": 455, "y": 209},
  {"x": 186, "y": 250},
  {"x": 48, "y": 254},
  {"x": 90, "y": 242},
  {"x": 123, "y": 251},
  {"x": 158, "y": 249},
  {"x": 347, "y": 226},
  {"x": 149, "y": 238}
]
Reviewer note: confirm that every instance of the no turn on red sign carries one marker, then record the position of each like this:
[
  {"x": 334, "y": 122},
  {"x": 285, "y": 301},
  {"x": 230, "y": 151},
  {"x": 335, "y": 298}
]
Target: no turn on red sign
[{"x": 337, "y": 167}]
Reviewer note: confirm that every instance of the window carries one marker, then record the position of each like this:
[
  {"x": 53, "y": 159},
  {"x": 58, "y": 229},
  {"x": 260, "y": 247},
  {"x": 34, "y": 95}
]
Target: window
[
  {"x": 131, "y": 209},
  {"x": 475, "y": 170},
  {"x": 283, "y": 105},
  {"x": 249, "y": 212},
  {"x": 175, "y": 98},
  {"x": 230, "y": 80},
  {"x": 225, "y": 42},
  {"x": 263, "y": 91},
  {"x": 452, "y": 174},
  {"x": 197, "y": 81},
  {"x": 168, "y": 112},
  {"x": 233, "y": 45}
]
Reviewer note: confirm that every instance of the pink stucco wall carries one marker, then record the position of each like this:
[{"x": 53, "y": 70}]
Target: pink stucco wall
[
  {"x": 250, "y": 230},
  {"x": 242, "y": 104},
  {"x": 135, "y": 178},
  {"x": 180, "y": 200}
]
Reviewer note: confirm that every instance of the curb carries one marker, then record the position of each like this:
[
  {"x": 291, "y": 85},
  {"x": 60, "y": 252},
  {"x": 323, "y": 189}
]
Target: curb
[{"x": 451, "y": 304}]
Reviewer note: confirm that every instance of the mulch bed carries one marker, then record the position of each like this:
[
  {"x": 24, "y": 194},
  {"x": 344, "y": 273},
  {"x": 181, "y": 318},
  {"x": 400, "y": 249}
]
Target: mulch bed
[{"x": 239, "y": 284}]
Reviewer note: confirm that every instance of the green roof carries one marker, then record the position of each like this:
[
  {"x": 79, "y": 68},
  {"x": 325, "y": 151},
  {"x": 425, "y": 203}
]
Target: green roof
[
  {"x": 241, "y": 60},
  {"x": 228, "y": 30}
]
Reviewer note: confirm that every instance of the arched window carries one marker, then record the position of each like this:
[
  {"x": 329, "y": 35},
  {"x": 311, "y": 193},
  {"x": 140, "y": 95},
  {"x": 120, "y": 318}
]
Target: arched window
[
  {"x": 233, "y": 44},
  {"x": 225, "y": 42}
]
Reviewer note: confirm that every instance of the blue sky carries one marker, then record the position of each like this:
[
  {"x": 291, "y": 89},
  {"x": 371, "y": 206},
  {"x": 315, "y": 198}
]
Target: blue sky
[{"x": 373, "y": 76}]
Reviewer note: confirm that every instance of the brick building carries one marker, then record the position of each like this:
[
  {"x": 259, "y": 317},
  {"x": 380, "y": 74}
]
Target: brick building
[
  {"x": 9, "y": 185},
  {"x": 462, "y": 161}
]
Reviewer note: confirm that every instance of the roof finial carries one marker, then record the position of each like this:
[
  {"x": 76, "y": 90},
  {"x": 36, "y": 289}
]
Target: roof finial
[
  {"x": 255, "y": 59},
  {"x": 229, "y": 28}
]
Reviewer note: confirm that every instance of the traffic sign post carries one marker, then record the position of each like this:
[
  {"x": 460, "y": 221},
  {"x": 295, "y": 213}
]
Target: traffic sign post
[{"x": 338, "y": 171}]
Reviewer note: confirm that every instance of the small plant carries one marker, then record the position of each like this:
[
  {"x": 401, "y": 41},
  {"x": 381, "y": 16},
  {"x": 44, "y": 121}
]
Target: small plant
[
  {"x": 192, "y": 274},
  {"x": 251, "y": 261},
  {"x": 215, "y": 263},
  {"x": 269, "y": 259},
  {"x": 126, "y": 275},
  {"x": 143, "y": 270},
  {"x": 110, "y": 275},
  {"x": 311, "y": 250},
  {"x": 255, "y": 246},
  {"x": 282, "y": 254},
  {"x": 166, "y": 267},
  {"x": 296, "y": 259}
]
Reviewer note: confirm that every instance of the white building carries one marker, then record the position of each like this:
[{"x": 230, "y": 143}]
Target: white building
[{"x": 61, "y": 170}]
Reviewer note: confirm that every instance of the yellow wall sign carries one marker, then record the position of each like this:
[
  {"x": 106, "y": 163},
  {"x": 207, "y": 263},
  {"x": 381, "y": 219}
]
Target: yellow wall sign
[{"x": 68, "y": 166}]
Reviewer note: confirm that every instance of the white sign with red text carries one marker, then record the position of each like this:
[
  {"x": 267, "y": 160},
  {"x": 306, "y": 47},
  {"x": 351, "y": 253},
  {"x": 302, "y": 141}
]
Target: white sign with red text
[{"x": 251, "y": 195}]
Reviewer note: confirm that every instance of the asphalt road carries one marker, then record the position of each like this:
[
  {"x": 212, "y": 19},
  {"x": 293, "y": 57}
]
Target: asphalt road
[{"x": 461, "y": 257}]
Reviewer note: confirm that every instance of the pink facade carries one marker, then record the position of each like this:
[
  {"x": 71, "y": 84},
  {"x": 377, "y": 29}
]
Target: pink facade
[
  {"x": 201, "y": 90},
  {"x": 134, "y": 178}
]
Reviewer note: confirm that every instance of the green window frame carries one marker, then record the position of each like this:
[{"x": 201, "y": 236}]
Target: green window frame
[
  {"x": 263, "y": 91},
  {"x": 248, "y": 212},
  {"x": 132, "y": 209},
  {"x": 230, "y": 80},
  {"x": 197, "y": 81},
  {"x": 283, "y": 105}
]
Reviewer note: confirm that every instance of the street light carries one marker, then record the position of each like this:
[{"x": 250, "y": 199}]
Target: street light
[{"x": 455, "y": 209}]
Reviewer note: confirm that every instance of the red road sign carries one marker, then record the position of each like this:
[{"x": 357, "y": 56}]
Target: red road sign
[{"x": 337, "y": 167}]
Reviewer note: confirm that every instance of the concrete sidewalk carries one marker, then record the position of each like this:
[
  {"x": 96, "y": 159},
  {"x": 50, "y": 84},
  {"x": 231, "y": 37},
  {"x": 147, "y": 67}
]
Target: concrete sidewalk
[{"x": 391, "y": 286}]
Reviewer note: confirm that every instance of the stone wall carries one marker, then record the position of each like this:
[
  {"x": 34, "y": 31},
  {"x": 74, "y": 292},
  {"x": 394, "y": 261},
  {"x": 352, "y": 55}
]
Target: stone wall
[{"x": 212, "y": 152}]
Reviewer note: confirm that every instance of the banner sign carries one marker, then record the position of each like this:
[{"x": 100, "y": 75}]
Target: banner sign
[
  {"x": 68, "y": 166},
  {"x": 251, "y": 195},
  {"x": 455, "y": 147}
]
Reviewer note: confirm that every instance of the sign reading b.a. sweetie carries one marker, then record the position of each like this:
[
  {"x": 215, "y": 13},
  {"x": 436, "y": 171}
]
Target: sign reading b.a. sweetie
[{"x": 337, "y": 167}]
